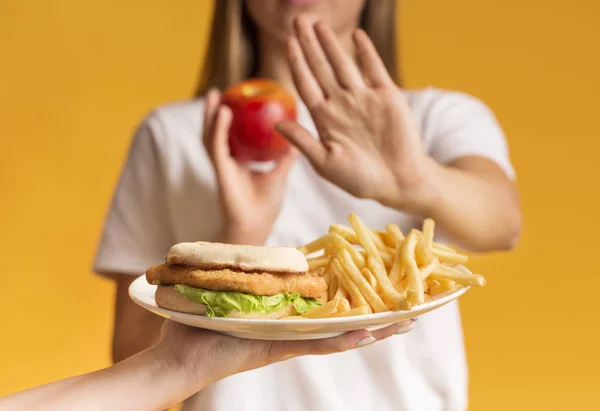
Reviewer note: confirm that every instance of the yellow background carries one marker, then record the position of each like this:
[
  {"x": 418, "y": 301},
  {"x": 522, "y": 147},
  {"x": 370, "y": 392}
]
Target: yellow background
[{"x": 76, "y": 77}]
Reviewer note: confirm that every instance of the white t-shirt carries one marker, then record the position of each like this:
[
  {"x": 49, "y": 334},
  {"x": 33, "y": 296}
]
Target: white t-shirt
[{"x": 167, "y": 194}]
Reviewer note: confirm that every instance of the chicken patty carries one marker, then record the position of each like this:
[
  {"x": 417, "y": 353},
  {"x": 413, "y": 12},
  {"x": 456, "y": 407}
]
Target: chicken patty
[{"x": 260, "y": 283}]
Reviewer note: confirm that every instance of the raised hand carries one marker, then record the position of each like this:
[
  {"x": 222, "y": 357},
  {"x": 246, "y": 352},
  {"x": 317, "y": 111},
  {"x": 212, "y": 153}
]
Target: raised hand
[{"x": 369, "y": 143}]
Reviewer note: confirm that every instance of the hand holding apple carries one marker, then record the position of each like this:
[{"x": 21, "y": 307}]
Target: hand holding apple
[
  {"x": 258, "y": 105},
  {"x": 250, "y": 201}
]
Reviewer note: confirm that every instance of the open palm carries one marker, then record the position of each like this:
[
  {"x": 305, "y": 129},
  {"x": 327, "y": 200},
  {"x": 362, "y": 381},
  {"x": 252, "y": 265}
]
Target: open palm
[{"x": 369, "y": 144}]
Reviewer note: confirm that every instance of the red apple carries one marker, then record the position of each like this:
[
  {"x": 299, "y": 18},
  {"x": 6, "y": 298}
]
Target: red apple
[{"x": 257, "y": 106}]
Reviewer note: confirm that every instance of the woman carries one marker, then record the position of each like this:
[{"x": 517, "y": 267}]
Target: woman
[
  {"x": 388, "y": 154},
  {"x": 183, "y": 362}
]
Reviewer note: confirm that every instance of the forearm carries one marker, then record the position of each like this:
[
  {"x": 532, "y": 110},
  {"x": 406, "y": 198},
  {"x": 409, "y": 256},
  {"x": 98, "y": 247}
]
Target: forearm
[
  {"x": 142, "y": 382},
  {"x": 478, "y": 211},
  {"x": 135, "y": 328}
]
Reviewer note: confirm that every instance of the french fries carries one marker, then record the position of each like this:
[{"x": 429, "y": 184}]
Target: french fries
[
  {"x": 342, "y": 244},
  {"x": 458, "y": 276},
  {"x": 365, "y": 237},
  {"x": 370, "y": 271},
  {"x": 369, "y": 277},
  {"x": 365, "y": 288},
  {"x": 343, "y": 278}
]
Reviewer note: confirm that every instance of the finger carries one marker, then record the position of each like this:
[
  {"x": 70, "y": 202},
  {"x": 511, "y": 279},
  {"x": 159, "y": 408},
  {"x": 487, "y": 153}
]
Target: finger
[
  {"x": 211, "y": 104},
  {"x": 345, "y": 70},
  {"x": 312, "y": 148},
  {"x": 371, "y": 62},
  {"x": 317, "y": 61},
  {"x": 305, "y": 82},
  {"x": 282, "y": 350},
  {"x": 220, "y": 134},
  {"x": 399, "y": 328},
  {"x": 285, "y": 163}
]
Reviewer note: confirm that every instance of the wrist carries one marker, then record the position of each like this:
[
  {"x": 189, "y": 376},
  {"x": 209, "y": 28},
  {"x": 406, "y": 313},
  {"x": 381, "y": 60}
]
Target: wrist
[
  {"x": 151, "y": 379},
  {"x": 421, "y": 196},
  {"x": 180, "y": 377}
]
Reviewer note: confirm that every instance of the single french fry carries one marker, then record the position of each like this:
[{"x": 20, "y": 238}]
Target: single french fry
[
  {"x": 423, "y": 255},
  {"x": 318, "y": 262},
  {"x": 341, "y": 292},
  {"x": 428, "y": 227},
  {"x": 315, "y": 245},
  {"x": 450, "y": 257},
  {"x": 333, "y": 286},
  {"x": 342, "y": 277},
  {"x": 370, "y": 278},
  {"x": 365, "y": 288},
  {"x": 457, "y": 276},
  {"x": 360, "y": 310},
  {"x": 365, "y": 237},
  {"x": 342, "y": 244},
  {"x": 394, "y": 231},
  {"x": 390, "y": 296},
  {"x": 324, "y": 310},
  {"x": 415, "y": 286},
  {"x": 397, "y": 272}
]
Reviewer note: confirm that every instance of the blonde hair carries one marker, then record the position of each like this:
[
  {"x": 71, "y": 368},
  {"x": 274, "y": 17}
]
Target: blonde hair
[{"x": 231, "y": 55}]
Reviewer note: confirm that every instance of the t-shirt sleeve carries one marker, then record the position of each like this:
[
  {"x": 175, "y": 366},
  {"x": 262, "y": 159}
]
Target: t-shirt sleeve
[
  {"x": 460, "y": 125},
  {"x": 137, "y": 233}
]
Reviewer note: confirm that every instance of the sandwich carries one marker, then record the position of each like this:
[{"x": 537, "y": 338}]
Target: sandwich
[{"x": 236, "y": 281}]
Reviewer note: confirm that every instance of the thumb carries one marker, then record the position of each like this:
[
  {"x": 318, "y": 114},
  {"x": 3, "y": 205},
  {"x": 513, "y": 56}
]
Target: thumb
[
  {"x": 285, "y": 163},
  {"x": 312, "y": 148},
  {"x": 220, "y": 146}
]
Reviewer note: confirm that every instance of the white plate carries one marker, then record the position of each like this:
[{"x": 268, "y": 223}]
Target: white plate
[{"x": 310, "y": 329}]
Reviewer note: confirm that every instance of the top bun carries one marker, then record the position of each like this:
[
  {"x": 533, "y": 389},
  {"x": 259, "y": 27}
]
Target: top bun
[{"x": 213, "y": 256}]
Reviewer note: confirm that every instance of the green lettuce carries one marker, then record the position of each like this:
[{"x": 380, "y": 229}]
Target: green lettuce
[{"x": 221, "y": 303}]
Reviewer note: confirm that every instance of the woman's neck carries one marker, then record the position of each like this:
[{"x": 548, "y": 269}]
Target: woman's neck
[{"x": 273, "y": 61}]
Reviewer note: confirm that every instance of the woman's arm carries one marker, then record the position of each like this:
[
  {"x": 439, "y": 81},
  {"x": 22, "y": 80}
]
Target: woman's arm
[
  {"x": 370, "y": 144},
  {"x": 183, "y": 362},
  {"x": 474, "y": 202},
  {"x": 142, "y": 382}
]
